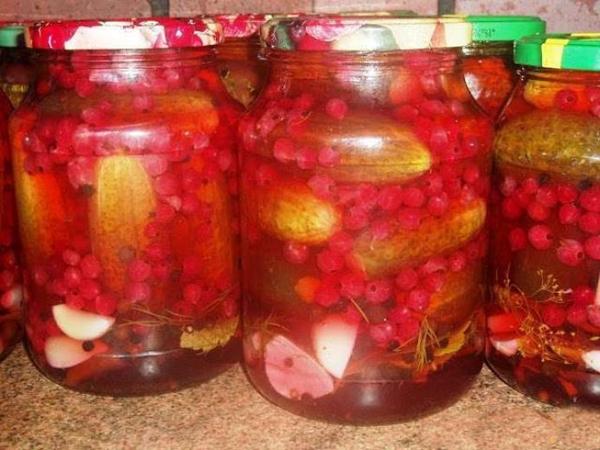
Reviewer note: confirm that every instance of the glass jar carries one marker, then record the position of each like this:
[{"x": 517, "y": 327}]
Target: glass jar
[
  {"x": 364, "y": 182},
  {"x": 544, "y": 319},
  {"x": 16, "y": 70},
  {"x": 10, "y": 284},
  {"x": 488, "y": 61},
  {"x": 240, "y": 68},
  {"x": 125, "y": 176}
]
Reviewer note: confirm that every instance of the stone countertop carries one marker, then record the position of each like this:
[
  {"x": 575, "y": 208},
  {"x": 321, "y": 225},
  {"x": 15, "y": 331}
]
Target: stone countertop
[{"x": 226, "y": 413}]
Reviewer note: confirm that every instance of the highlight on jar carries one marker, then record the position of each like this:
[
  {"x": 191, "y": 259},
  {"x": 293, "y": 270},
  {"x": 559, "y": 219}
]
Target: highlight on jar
[
  {"x": 11, "y": 293},
  {"x": 126, "y": 183},
  {"x": 544, "y": 320},
  {"x": 16, "y": 69},
  {"x": 242, "y": 71},
  {"x": 364, "y": 187},
  {"x": 488, "y": 61}
]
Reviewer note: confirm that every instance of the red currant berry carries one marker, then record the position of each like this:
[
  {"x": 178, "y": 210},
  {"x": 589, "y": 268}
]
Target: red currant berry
[
  {"x": 351, "y": 285},
  {"x": 540, "y": 237},
  {"x": 390, "y": 198},
  {"x": 139, "y": 270},
  {"x": 590, "y": 199},
  {"x": 413, "y": 197},
  {"x": 538, "y": 212},
  {"x": 418, "y": 299},
  {"x": 577, "y": 315},
  {"x": 546, "y": 196},
  {"x": 570, "y": 252},
  {"x": 284, "y": 150},
  {"x": 433, "y": 184},
  {"x": 328, "y": 157},
  {"x": 568, "y": 214},
  {"x": 322, "y": 185},
  {"x": 409, "y": 218},
  {"x": 382, "y": 333},
  {"x": 437, "y": 205},
  {"x": 553, "y": 315},
  {"x": 336, "y": 108},
  {"x": 329, "y": 261},
  {"x": 565, "y": 99},
  {"x": 327, "y": 295},
  {"x": 306, "y": 158},
  {"x": 458, "y": 260},
  {"x": 71, "y": 257},
  {"x": 593, "y": 315},
  {"x": 582, "y": 295},
  {"x": 434, "y": 282},
  {"x": 471, "y": 173},
  {"x": 378, "y": 291},
  {"x": 508, "y": 186},
  {"x": 295, "y": 253},
  {"x": 566, "y": 193},
  {"x": 106, "y": 304},
  {"x": 341, "y": 242},
  {"x": 530, "y": 186},
  {"x": 592, "y": 247},
  {"x": 590, "y": 223},
  {"x": 511, "y": 208},
  {"x": 407, "y": 279}
]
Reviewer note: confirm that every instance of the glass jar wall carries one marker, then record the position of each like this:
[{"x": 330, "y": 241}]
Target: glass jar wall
[
  {"x": 16, "y": 69},
  {"x": 543, "y": 323},
  {"x": 365, "y": 173},
  {"x": 125, "y": 177},
  {"x": 10, "y": 287},
  {"x": 488, "y": 62}
]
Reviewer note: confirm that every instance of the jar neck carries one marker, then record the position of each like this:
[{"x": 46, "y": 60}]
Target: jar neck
[
  {"x": 583, "y": 77},
  {"x": 283, "y": 63},
  {"x": 121, "y": 66},
  {"x": 490, "y": 48},
  {"x": 239, "y": 49}
]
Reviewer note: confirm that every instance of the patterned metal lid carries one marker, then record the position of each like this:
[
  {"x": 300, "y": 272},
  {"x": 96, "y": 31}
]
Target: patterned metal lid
[
  {"x": 146, "y": 33},
  {"x": 365, "y": 33}
]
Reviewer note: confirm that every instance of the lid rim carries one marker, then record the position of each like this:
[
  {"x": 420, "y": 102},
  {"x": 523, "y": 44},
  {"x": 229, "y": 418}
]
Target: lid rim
[{"x": 575, "y": 51}]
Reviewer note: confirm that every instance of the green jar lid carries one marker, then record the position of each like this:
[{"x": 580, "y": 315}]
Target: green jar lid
[
  {"x": 576, "y": 51},
  {"x": 504, "y": 28},
  {"x": 12, "y": 35}
]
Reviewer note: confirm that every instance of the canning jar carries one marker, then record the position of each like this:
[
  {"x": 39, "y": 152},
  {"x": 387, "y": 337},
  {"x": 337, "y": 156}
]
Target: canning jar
[
  {"x": 240, "y": 68},
  {"x": 364, "y": 184},
  {"x": 488, "y": 61},
  {"x": 125, "y": 177},
  {"x": 544, "y": 320},
  {"x": 10, "y": 286},
  {"x": 16, "y": 70}
]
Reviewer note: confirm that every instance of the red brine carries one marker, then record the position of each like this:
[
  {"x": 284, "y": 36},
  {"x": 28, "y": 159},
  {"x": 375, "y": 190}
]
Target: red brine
[
  {"x": 364, "y": 187},
  {"x": 125, "y": 173}
]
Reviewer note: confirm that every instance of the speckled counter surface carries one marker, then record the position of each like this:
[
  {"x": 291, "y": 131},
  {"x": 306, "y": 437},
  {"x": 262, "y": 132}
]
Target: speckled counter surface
[{"x": 227, "y": 413}]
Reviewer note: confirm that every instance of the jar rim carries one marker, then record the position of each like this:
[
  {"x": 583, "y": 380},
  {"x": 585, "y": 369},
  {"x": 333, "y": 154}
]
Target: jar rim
[
  {"x": 365, "y": 33},
  {"x": 126, "y": 34}
]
